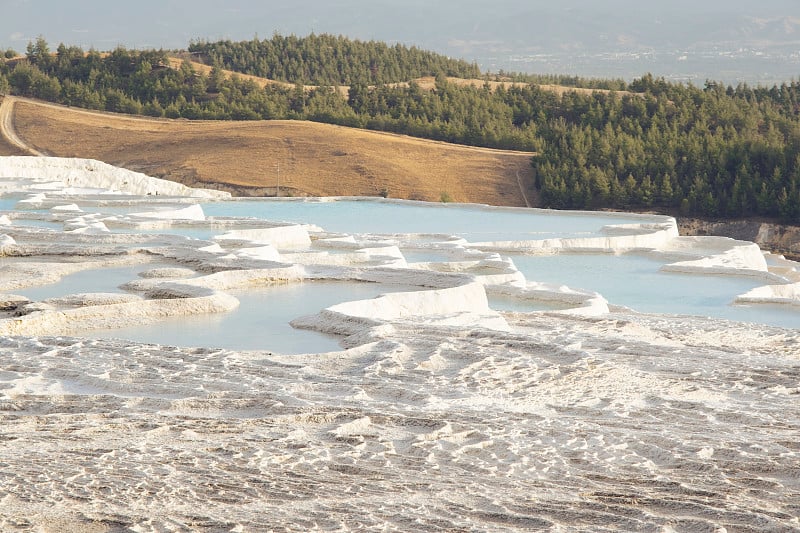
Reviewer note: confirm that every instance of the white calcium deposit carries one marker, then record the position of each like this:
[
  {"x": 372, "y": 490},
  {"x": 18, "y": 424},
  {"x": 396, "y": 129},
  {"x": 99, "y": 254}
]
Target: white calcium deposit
[
  {"x": 77, "y": 176},
  {"x": 437, "y": 414}
]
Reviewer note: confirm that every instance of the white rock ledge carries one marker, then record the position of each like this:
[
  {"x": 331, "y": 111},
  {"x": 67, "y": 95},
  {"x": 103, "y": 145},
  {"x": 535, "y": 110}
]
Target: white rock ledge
[
  {"x": 786, "y": 294},
  {"x": 636, "y": 237},
  {"x": 82, "y": 319},
  {"x": 65, "y": 173}
]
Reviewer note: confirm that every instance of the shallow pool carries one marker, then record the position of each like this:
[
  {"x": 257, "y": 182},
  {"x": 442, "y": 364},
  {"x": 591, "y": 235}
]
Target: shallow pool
[
  {"x": 520, "y": 305},
  {"x": 199, "y": 233},
  {"x": 7, "y": 204},
  {"x": 32, "y": 223},
  {"x": 635, "y": 281},
  {"x": 90, "y": 280},
  {"x": 261, "y": 322},
  {"x": 473, "y": 223}
]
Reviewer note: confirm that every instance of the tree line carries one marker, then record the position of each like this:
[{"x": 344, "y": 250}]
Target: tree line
[
  {"x": 708, "y": 151},
  {"x": 329, "y": 60},
  {"x": 711, "y": 151}
]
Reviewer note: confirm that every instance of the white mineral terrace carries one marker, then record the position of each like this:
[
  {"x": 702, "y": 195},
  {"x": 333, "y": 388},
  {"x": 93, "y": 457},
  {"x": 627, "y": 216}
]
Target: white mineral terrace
[{"x": 437, "y": 412}]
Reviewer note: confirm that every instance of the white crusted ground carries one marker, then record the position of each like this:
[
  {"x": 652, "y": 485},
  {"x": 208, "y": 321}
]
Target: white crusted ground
[
  {"x": 76, "y": 176},
  {"x": 442, "y": 414}
]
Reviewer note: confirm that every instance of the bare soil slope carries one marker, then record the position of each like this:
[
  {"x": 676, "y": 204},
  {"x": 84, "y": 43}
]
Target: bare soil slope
[{"x": 255, "y": 158}]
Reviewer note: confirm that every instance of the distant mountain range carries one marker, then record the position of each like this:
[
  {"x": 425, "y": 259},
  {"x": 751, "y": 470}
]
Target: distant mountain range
[{"x": 731, "y": 40}]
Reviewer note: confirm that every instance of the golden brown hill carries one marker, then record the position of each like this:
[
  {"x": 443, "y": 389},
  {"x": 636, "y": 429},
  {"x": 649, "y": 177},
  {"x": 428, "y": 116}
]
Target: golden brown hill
[{"x": 257, "y": 157}]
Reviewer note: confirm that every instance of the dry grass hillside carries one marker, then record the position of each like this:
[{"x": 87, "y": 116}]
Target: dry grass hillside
[
  {"x": 255, "y": 157},
  {"x": 425, "y": 83}
]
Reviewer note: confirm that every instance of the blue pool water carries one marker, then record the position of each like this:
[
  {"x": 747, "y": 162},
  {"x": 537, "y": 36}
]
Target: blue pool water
[
  {"x": 260, "y": 322},
  {"x": 38, "y": 224},
  {"x": 7, "y": 204},
  {"x": 635, "y": 281},
  {"x": 91, "y": 280},
  {"x": 473, "y": 223}
]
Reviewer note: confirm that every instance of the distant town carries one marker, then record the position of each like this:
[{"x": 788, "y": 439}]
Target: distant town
[{"x": 728, "y": 65}]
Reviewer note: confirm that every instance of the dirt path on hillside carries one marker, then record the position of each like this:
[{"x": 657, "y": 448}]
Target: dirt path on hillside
[{"x": 7, "y": 130}]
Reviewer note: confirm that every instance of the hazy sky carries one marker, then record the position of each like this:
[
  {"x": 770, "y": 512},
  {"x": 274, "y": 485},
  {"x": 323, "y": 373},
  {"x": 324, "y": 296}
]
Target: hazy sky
[
  {"x": 492, "y": 33},
  {"x": 172, "y": 23}
]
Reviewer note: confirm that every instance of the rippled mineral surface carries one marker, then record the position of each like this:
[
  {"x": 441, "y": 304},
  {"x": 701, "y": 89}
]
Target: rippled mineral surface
[{"x": 580, "y": 423}]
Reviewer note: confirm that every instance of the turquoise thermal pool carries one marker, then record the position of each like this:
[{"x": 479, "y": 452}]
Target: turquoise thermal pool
[
  {"x": 636, "y": 281},
  {"x": 261, "y": 320},
  {"x": 473, "y": 223}
]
